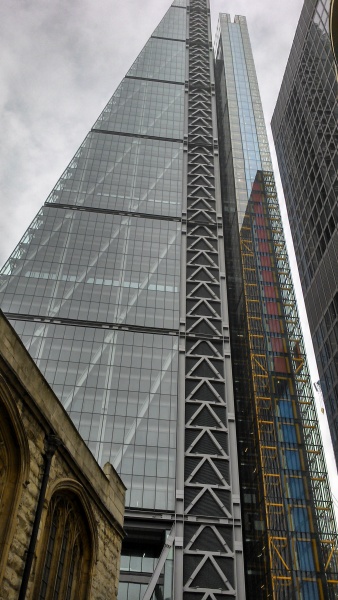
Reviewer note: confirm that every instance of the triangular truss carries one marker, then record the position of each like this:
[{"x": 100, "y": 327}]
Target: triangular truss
[{"x": 209, "y": 557}]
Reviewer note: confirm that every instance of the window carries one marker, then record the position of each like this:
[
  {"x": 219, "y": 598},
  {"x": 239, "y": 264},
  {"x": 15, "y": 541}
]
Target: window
[
  {"x": 3, "y": 469},
  {"x": 12, "y": 466},
  {"x": 66, "y": 551}
]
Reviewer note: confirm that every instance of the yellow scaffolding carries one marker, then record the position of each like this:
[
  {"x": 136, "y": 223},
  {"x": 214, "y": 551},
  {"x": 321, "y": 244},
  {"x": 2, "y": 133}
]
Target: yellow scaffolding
[{"x": 262, "y": 291}]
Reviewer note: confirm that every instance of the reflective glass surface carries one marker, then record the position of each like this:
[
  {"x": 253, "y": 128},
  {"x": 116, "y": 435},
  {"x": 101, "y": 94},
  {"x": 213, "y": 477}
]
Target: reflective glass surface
[
  {"x": 304, "y": 127},
  {"x": 249, "y": 143},
  {"x": 140, "y": 554},
  {"x": 102, "y": 256},
  {"x": 322, "y": 16},
  {"x": 131, "y": 591},
  {"x": 268, "y": 307},
  {"x": 161, "y": 59},
  {"x": 121, "y": 173},
  {"x": 173, "y": 25},
  {"x": 97, "y": 267},
  {"x": 146, "y": 108},
  {"x": 248, "y": 127},
  {"x": 120, "y": 389}
]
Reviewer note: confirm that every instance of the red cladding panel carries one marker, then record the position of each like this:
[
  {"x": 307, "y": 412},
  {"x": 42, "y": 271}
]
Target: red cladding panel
[
  {"x": 277, "y": 344},
  {"x": 275, "y": 326},
  {"x": 269, "y": 292},
  {"x": 281, "y": 365},
  {"x": 265, "y": 261},
  {"x": 264, "y": 247},
  {"x": 267, "y": 276},
  {"x": 272, "y": 308}
]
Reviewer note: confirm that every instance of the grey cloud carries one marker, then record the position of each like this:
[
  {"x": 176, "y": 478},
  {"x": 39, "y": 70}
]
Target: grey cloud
[{"x": 60, "y": 64}]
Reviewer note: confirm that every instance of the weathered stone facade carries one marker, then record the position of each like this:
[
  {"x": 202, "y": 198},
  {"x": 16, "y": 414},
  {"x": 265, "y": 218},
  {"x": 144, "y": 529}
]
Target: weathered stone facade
[{"x": 89, "y": 500}]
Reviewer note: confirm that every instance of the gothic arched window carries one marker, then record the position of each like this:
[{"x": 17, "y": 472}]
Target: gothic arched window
[
  {"x": 65, "y": 572},
  {"x": 11, "y": 476},
  {"x": 4, "y": 469}
]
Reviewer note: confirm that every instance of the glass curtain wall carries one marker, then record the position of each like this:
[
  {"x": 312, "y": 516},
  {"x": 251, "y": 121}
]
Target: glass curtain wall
[
  {"x": 305, "y": 131},
  {"x": 290, "y": 534},
  {"x": 93, "y": 286}
]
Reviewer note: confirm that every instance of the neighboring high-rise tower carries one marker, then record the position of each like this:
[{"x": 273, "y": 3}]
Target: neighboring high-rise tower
[
  {"x": 119, "y": 291},
  {"x": 282, "y": 471},
  {"x": 304, "y": 126}
]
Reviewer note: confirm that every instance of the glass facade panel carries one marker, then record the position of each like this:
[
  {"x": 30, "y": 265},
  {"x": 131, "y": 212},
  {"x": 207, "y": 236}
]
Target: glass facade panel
[
  {"x": 104, "y": 252},
  {"x": 251, "y": 150},
  {"x": 305, "y": 556},
  {"x": 120, "y": 389},
  {"x": 173, "y": 25},
  {"x": 310, "y": 590},
  {"x": 263, "y": 310},
  {"x": 321, "y": 16},
  {"x": 113, "y": 172},
  {"x": 131, "y": 591},
  {"x": 96, "y": 267},
  {"x": 305, "y": 130},
  {"x": 161, "y": 59},
  {"x": 136, "y": 591},
  {"x": 145, "y": 108}
]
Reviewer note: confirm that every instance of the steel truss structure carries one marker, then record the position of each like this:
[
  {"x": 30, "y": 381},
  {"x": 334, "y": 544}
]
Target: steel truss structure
[{"x": 208, "y": 506}]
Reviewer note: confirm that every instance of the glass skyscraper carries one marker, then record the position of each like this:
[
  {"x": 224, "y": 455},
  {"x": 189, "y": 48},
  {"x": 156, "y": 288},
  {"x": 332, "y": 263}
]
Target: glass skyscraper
[
  {"x": 276, "y": 419},
  {"x": 305, "y": 130},
  {"x": 153, "y": 291}
]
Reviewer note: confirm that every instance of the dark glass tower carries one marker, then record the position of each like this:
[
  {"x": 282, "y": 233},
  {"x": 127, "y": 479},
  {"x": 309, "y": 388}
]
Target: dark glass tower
[
  {"x": 304, "y": 126},
  {"x": 281, "y": 463},
  {"x": 119, "y": 289}
]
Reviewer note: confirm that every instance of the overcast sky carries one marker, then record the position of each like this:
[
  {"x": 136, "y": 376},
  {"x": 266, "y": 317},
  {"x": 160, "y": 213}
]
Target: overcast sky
[{"x": 60, "y": 63}]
